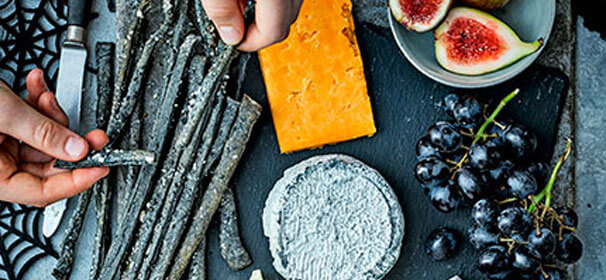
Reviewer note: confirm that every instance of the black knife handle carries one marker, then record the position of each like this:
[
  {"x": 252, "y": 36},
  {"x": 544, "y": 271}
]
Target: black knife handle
[{"x": 78, "y": 12}]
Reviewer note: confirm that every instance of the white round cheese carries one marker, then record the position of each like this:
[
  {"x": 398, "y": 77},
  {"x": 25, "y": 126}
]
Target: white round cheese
[{"x": 333, "y": 217}]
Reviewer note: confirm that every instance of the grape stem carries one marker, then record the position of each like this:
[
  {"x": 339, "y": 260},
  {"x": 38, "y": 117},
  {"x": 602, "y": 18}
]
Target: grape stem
[
  {"x": 488, "y": 121},
  {"x": 545, "y": 275},
  {"x": 508, "y": 240},
  {"x": 546, "y": 192},
  {"x": 501, "y": 126},
  {"x": 493, "y": 116},
  {"x": 511, "y": 199}
]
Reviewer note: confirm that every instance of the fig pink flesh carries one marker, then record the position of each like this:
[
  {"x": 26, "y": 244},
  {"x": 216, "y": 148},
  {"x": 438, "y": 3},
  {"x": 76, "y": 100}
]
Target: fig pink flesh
[
  {"x": 421, "y": 11},
  {"x": 468, "y": 41}
]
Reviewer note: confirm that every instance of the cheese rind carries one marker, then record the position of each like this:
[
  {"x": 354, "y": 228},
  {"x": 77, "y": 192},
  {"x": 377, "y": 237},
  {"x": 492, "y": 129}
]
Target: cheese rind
[
  {"x": 315, "y": 79},
  {"x": 333, "y": 217}
]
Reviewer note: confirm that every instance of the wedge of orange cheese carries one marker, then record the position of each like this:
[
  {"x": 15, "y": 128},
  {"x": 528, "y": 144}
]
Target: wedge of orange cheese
[{"x": 315, "y": 79}]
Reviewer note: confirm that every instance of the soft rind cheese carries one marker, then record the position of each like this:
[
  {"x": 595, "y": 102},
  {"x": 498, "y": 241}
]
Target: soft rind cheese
[
  {"x": 333, "y": 217},
  {"x": 315, "y": 79}
]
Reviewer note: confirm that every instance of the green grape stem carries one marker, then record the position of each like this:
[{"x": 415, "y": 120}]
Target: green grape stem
[
  {"x": 488, "y": 121},
  {"x": 509, "y": 200},
  {"x": 494, "y": 114},
  {"x": 546, "y": 192}
]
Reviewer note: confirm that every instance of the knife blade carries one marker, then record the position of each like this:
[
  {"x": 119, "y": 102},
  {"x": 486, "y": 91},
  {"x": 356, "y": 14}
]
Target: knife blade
[{"x": 70, "y": 82}]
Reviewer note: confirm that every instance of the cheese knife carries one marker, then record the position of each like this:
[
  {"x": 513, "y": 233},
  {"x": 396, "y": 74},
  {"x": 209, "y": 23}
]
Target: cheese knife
[{"x": 70, "y": 82}]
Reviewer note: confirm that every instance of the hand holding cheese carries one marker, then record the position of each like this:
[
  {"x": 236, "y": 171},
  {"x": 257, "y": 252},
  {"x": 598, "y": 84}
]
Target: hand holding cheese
[{"x": 272, "y": 21}]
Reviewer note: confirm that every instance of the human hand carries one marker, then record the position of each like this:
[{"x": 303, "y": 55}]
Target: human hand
[
  {"x": 27, "y": 175},
  {"x": 272, "y": 21}
]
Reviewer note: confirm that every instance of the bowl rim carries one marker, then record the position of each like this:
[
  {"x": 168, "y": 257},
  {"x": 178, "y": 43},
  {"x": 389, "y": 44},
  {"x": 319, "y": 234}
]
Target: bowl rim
[{"x": 480, "y": 82}]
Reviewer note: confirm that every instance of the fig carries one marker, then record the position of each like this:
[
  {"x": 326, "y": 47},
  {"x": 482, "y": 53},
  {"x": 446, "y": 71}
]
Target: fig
[
  {"x": 486, "y": 4},
  {"x": 472, "y": 42},
  {"x": 419, "y": 15}
]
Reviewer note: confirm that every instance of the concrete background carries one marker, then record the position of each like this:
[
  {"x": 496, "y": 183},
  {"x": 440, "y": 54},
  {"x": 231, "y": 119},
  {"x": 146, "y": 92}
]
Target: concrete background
[{"x": 590, "y": 171}]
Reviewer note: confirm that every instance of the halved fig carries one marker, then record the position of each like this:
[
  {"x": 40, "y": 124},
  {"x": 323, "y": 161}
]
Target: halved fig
[
  {"x": 472, "y": 42},
  {"x": 419, "y": 15},
  {"x": 486, "y": 4}
]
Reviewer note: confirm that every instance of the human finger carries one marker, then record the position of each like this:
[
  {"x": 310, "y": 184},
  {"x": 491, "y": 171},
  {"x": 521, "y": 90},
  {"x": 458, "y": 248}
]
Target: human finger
[
  {"x": 48, "y": 106},
  {"x": 11, "y": 147},
  {"x": 9, "y": 150},
  {"x": 26, "y": 188},
  {"x": 272, "y": 24},
  {"x": 35, "y": 86},
  {"x": 97, "y": 140},
  {"x": 29, "y": 154},
  {"x": 228, "y": 17},
  {"x": 22, "y": 122},
  {"x": 41, "y": 170},
  {"x": 8, "y": 163}
]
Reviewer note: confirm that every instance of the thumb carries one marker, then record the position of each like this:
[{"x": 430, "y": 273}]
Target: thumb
[
  {"x": 22, "y": 122},
  {"x": 227, "y": 17}
]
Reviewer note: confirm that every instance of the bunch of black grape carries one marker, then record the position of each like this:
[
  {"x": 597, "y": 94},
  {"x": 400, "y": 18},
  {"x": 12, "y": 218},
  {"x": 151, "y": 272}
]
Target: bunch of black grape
[
  {"x": 523, "y": 238},
  {"x": 474, "y": 160},
  {"x": 515, "y": 243},
  {"x": 472, "y": 156}
]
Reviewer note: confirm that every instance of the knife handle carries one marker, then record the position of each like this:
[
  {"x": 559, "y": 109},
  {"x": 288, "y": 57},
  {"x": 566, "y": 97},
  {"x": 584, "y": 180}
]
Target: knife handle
[{"x": 78, "y": 12}]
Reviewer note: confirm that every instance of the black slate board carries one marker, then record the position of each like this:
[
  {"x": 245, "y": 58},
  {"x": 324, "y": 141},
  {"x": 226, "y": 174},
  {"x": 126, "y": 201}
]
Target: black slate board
[{"x": 405, "y": 104}]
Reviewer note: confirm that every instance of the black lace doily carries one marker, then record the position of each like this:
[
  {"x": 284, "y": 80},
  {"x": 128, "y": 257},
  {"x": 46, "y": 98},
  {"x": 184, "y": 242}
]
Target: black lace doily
[
  {"x": 21, "y": 240},
  {"x": 31, "y": 33}
]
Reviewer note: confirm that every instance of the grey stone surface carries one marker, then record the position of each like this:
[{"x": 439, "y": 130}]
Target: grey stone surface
[
  {"x": 591, "y": 152},
  {"x": 371, "y": 11},
  {"x": 559, "y": 53}
]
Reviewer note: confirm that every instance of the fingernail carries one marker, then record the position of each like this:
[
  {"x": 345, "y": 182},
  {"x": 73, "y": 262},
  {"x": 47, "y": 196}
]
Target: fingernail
[
  {"x": 230, "y": 35},
  {"x": 74, "y": 146}
]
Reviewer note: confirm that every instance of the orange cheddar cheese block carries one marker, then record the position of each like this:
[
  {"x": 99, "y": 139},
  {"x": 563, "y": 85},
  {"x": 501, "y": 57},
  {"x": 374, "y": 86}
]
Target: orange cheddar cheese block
[{"x": 315, "y": 79}]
